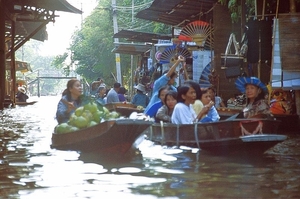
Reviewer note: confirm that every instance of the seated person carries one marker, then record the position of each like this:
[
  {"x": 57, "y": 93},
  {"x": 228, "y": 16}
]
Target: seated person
[
  {"x": 216, "y": 99},
  {"x": 212, "y": 115},
  {"x": 101, "y": 93},
  {"x": 151, "y": 112},
  {"x": 140, "y": 98},
  {"x": 255, "y": 90},
  {"x": 121, "y": 94},
  {"x": 71, "y": 99},
  {"x": 21, "y": 95},
  {"x": 164, "y": 113},
  {"x": 183, "y": 112}
]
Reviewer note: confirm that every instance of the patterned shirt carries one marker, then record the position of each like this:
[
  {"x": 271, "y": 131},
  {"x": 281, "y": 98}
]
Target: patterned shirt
[{"x": 259, "y": 107}]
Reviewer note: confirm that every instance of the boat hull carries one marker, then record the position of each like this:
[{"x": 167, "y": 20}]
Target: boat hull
[
  {"x": 115, "y": 136},
  {"x": 223, "y": 136},
  {"x": 124, "y": 109}
]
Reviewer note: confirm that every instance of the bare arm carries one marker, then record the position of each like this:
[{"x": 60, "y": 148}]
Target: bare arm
[
  {"x": 205, "y": 110},
  {"x": 173, "y": 68}
]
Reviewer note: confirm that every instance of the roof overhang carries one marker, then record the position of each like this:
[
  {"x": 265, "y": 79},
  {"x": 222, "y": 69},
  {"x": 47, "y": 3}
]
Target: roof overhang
[
  {"x": 143, "y": 37},
  {"x": 178, "y": 12},
  {"x": 20, "y": 66},
  {"x": 131, "y": 49}
]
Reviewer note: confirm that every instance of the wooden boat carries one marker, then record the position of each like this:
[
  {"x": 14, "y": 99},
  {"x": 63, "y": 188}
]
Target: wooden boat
[
  {"x": 240, "y": 135},
  {"x": 25, "y": 103},
  {"x": 289, "y": 122},
  {"x": 226, "y": 112},
  {"x": 125, "y": 109},
  {"x": 110, "y": 137}
]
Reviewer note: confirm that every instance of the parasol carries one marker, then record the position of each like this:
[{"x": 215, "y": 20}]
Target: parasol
[
  {"x": 204, "y": 78},
  {"x": 170, "y": 54},
  {"x": 198, "y": 32}
]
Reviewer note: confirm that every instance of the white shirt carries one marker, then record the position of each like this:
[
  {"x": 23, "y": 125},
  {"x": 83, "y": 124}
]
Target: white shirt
[{"x": 183, "y": 114}]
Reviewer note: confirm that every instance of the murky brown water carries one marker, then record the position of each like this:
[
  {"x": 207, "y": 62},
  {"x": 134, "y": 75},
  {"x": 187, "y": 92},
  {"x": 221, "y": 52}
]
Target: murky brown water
[{"x": 29, "y": 168}]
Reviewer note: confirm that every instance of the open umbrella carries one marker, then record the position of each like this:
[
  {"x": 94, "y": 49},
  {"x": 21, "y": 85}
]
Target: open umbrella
[
  {"x": 198, "y": 32},
  {"x": 170, "y": 54},
  {"x": 204, "y": 78}
]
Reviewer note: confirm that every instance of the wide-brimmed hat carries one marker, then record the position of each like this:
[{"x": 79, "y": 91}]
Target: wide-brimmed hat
[
  {"x": 21, "y": 89},
  {"x": 140, "y": 87},
  {"x": 241, "y": 83}
]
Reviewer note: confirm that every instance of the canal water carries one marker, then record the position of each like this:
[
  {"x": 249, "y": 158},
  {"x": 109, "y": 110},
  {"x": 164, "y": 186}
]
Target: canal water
[{"x": 29, "y": 168}]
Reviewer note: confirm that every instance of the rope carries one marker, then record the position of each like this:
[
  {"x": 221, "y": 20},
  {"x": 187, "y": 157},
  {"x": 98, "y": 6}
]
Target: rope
[{"x": 258, "y": 129}]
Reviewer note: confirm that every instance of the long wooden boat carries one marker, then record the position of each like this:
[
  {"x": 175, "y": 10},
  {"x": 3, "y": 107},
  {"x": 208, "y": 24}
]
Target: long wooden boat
[
  {"x": 25, "y": 103},
  {"x": 241, "y": 135},
  {"x": 288, "y": 121},
  {"x": 111, "y": 137},
  {"x": 125, "y": 109}
]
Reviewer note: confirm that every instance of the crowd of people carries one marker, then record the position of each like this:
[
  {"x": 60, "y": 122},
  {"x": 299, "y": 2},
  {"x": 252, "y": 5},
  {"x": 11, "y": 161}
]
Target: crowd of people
[{"x": 185, "y": 104}]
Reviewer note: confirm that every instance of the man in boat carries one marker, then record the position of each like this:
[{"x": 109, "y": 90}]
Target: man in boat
[
  {"x": 112, "y": 95},
  {"x": 21, "y": 94}
]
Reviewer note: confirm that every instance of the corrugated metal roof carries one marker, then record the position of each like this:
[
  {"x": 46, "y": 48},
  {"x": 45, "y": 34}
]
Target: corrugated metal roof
[
  {"x": 135, "y": 36},
  {"x": 178, "y": 12},
  {"x": 131, "y": 49}
]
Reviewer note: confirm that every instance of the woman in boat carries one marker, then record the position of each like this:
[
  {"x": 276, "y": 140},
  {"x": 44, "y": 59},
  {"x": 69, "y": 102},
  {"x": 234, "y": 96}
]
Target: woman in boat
[
  {"x": 121, "y": 94},
  {"x": 164, "y": 113},
  {"x": 168, "y": 78},
  {"x": 151, "y": 112},
  {"x": 71, "y": 99},
  {"x": 101, "y": 93},
  {"x": 212, "y": 115},
  {"x": 197, "y": 105},
  {"x": 183, "y": 112},
  {"x": 255, "y": 90},
  {"x": 21, "y": 95}
]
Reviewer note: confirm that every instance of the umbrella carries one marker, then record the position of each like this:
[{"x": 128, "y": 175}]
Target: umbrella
[
  {"x": 204, "y": 78},
  {"x": 170, "y": 54}
]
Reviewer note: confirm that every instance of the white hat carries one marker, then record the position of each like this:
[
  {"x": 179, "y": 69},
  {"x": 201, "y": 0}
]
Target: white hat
[
  {"x": 140, "y": 87},
  {"x": 21, "y": 89}
]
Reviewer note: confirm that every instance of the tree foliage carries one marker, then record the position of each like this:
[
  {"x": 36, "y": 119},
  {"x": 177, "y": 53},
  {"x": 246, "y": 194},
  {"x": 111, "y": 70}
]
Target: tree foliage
[{"x": 91, "y": 47}]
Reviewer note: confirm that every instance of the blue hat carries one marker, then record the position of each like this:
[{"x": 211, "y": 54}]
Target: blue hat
[{"x": 241, "y": 83}]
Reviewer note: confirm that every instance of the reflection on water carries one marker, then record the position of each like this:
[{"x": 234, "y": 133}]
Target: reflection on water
[{"x": 29, "y": 168}]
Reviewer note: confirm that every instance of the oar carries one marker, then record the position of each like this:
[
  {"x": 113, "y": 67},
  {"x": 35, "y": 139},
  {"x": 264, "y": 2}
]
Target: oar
[{"x": 233, "y": 117}]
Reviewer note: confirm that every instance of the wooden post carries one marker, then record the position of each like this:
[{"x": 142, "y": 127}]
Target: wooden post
[{"x": 2, "y": 54}]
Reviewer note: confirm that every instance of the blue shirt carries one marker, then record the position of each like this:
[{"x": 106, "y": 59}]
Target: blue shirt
[
  {"x": 140, "y": 99},
  {"x": 112, "y": 96},
  {"x": 62, "y": 115},
  {"x": 160, "y": 82},
  {"x": 212, "y": 116},
  {"x": 153, "y": 109}
]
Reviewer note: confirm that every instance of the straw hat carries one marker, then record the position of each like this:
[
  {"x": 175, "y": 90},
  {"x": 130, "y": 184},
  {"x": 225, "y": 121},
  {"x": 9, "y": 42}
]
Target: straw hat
[
  {"x": 140, "y": 87},
  {"x": 241, "y": 83},
  {"x": 21, "y": 89}
]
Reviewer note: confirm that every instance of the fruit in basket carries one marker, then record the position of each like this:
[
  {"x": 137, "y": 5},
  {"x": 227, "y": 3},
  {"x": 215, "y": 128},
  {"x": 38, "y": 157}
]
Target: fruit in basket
[
  {"x": 63, "y": 128},
  {"x": 97, "y": 116},
  {"x": 79, "y": 111},
  {"x": 81, "y": 122},
  {"x": 113, "y": 115},
  {"x": 91, "y": 106},
  {"x": 87, "y": 115}
]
